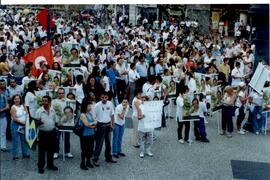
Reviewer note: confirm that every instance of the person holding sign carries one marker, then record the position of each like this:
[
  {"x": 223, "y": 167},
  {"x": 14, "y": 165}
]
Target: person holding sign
[
  {"x": 145, "y": 135},
  {"x": 179, "y": 116},
  {"x": 59, "y": 105},
  {"x": 199, "y": 126},
  {"x": 121, "y": 112}
]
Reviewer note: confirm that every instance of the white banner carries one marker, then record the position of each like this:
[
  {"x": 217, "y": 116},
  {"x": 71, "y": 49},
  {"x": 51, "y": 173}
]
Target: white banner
[
  {"x": 152, "y": 111},
  {"x": 259, "y": 78}
]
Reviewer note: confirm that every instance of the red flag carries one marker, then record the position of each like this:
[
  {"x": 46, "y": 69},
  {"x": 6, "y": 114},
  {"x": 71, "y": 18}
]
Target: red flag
[
  {"x": 42, "y": 18},
  {"x": 39, "y": 56}
]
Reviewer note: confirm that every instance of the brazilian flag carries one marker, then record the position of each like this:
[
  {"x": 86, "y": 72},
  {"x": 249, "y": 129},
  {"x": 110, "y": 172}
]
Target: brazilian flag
[{"x": 31, "y": 132}]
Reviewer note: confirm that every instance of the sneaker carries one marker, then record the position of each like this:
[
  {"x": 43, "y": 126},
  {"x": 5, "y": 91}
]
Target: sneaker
[
  {"x": 141, "y": 155},
  {"x": 122, "y": 154},
  {"x": 15, "y": 158},
  {"x": 69, "y": 155},
  {"x": 229, "y": 135},
  {"x": 26, "y": 157},
  {"x": 181, "y": 141},
  {"x": 95, "y": 162},
  {"x": 257, "y": 133},
  {"x": 241, "y": 132},
  {"x": 149, "y": 153},
  {"x": 116, "y": 156},
  {"x": 41, "y": 171},
  {"x": 189, "y": 141},
  {"x": 55, "y": 156},
  {"x": 205, "y": 140},
  {"x": 5, "y": 150},
  {"x": 53, "y": 168}
]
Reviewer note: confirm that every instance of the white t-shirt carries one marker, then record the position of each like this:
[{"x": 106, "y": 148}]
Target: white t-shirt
[
  {"x": 236, "y": 73},
  {"x": 179, "y": 108},
  {"x": 148, "y": 90},
  {"x": 119, "y": 110},
  {"x": 192, "y": 85},
  {"x": 238, "y": 102},
  {"x": 103, "y": 112},
  {"x": 79, "y": 93},
  {"x": 31, "y": 103},
  {"x": 105, "y": 83}
]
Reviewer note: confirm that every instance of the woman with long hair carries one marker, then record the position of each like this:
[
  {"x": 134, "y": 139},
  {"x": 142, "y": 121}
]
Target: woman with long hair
[
  {"x": 93, "y": 87},
  {"x": 30, "y": 97},
  {"x": 88, "y": 122},
  {"x": 227, "y": 111},
  {"x": 18, "y": 115}
]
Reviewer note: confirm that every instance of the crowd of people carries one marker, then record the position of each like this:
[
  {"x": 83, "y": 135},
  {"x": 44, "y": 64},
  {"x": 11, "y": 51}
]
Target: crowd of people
[{"x": 120, "y": 70}]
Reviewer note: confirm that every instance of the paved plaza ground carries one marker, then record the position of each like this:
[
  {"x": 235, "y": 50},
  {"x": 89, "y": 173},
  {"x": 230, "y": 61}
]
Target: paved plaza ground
[{"x": 171, "y": 159}]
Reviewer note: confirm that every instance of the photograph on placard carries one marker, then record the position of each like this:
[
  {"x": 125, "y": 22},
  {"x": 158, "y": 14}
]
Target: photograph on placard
[
  {"x": 70, "y": 55},
  {"x": 40, "y": 94},
  {"x": 69, "y": 91}
]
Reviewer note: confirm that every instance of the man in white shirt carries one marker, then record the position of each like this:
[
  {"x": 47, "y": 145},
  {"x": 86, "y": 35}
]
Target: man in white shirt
[
  {"x": 79, "y": 95},
  {"x": 121, "y": 112},
  {"x": 104, "y": 113},
  {"x": 46, "y": 135},
  {"x": 148, "y": 88},
  {"x": 121, "y": 81},
  {"x": 60, "y": 102},
  {"x": 133, "y": 76},
  {"x": 237, "y": 76}
]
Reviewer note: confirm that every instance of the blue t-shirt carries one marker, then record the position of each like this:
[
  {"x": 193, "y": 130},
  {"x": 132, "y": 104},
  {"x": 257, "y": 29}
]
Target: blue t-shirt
[
  {"x": 112, "y": 76},
  {"x": 86, "y": 130}
]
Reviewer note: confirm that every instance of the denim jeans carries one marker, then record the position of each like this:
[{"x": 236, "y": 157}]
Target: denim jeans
[
  {"x": 15, "y": 140},
  {"x": 3, "y": 130},
  {"x": 117, "y": 138},
  {"x": 103, "y": 134},
  {"x": 258, "y": 119}
]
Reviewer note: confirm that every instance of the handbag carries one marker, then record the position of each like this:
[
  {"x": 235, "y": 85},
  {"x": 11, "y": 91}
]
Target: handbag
[{"x": 78, "y": 129}]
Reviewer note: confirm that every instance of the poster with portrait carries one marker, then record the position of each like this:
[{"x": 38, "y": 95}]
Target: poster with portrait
[
  {"x": 68, "y": 91},
  {"x": 65, "y": 112},
  {"x": 40, "y": 94},
  {"x": 54, "y": 74},
  {"x": 266, "y": 98},
  {"x": 216, "y": 98},
  {"x": 68, "y": 59},
  {"x": 67, "y": 75}
]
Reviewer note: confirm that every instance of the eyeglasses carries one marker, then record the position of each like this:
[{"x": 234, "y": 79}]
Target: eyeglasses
[{"x": 61, "y": 93}]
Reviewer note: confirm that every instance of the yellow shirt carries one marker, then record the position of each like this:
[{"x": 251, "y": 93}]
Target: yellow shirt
[{"x": 225, "y": 68}]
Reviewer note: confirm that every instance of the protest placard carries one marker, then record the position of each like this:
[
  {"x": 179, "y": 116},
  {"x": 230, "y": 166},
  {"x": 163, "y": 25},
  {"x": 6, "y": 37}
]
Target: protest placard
[{"x": 152, "y": 111}]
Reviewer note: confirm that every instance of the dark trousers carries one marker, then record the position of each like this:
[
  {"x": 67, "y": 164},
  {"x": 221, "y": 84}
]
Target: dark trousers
[
  {"x": 240, "y": 117},
  {"x": 227, "y": 113},
  {"x": 199, "y": 129},
  {"x": 67, "y": 142},
  {"x": 46, "y": 144},
  {"x": 103, "y": 133},
  {"x": 180, "y": 128},
  {"x": 121, "y": 89},
  {"x": 87, "y": 146}
]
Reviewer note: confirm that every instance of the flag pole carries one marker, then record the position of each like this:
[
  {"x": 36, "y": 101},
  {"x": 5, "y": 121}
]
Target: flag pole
[{"x": 48, "y": 25}]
